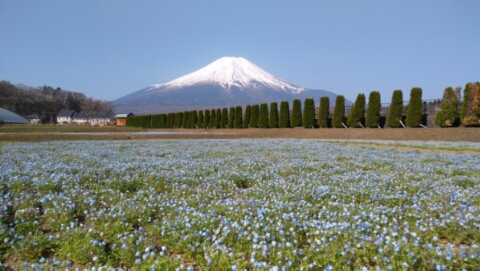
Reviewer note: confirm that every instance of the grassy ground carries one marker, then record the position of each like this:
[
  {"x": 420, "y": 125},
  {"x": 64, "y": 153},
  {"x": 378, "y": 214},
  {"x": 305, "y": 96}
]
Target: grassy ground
[{"x": 41, "y": 133}]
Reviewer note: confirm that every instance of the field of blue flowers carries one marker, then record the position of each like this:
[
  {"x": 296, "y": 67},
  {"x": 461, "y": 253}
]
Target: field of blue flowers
[{"x": 255, "y": 204}]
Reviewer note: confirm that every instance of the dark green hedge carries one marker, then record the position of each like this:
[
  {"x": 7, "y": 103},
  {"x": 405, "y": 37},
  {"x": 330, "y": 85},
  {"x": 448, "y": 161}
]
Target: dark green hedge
[
  {"x": 224, "y": 120},
  {"x": 309, "y": 113},
  {"x": 395, "y": 112},
  {"x": 373, "y": 112},
  {"x": 254, "y": 116},
  {"x": 263, "y": 116},
  {"x": 323, "y": 112},
  {"x": 273, "y": 119},
  {"x": 415, "y": 108},
  {"x": 339, "y": 112},
  {"x": 238, "y": 117},
  {"x": 296, "y": 120},
  {"x": 231, "y": 117},
  {"x": 248, "y": 114},
  {"x": 357, "y": 112},
  {"x": 284, "y": 118}
]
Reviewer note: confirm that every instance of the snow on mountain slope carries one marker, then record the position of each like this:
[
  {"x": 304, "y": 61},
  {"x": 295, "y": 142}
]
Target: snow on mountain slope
[{"x": 231, "y": 71}]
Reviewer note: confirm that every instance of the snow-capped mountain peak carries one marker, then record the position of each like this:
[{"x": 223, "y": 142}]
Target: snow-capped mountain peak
[{"x": 231, "y": 71}]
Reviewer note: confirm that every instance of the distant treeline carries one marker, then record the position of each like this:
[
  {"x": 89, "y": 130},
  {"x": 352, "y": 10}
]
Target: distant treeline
[
  {"x": 46, "y": 101},
  {"x": 454, "y": 111}
]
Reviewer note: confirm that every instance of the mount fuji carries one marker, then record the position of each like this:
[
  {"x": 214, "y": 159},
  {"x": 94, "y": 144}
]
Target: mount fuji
[{"x": 228, "y": 81}]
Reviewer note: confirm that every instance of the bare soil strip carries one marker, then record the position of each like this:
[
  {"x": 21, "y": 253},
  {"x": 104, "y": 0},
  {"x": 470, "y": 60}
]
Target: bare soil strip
[{"x": 421, "y": 134}]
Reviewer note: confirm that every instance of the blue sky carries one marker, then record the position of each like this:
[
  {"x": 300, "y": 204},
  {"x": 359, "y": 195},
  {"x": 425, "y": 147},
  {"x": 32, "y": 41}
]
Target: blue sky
[{"x": 107, "y": 49}]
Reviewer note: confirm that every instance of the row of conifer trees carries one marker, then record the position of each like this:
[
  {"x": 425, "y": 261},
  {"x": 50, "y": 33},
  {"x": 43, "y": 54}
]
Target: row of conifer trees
[
  {"x": 259, "y": 116},
  {"x": 455, "y": 112}
]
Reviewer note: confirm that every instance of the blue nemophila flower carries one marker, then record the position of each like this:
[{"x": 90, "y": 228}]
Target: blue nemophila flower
[{"x": 198, "y": 204}]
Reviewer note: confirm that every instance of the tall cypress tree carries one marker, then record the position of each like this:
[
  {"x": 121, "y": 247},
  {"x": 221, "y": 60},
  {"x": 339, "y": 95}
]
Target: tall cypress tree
[
  {"x": 178, "y": 119},
  {"x": 165, "y": 121},
  {"x": 248, "y": 114},
  {"x": 324, "y": 112},
  {"x": 273, "y": 120},
  {"x": 172, "y": 120},
  {"x": 211, "y": 123},
  {"x": 415, "y": 108},
  {"x": 224, "y": 120},
  {"x": 186, "y": 114},
  {"x": 193, "y": 118},
  {"x": 263, "y": 116},
  {"x": 168, "y": 121},
  {"x": 238, "y": 117},
  {"x": 373, "y": 112},
  {"x": 466, "y": 96},
  {"x": 339, "y": 112},
  {"x": 218, "y": 118},
  {"x": 309, "y": 113},
  {"x": 296, "y": 119},
  {"x": 472, "y": 108},
  {"x": 200, "y": 119},
  {"x": 206, "y": 119},
  {"x": 395, "y": 112},
  {"x": 254, "y": 116},
  {"x": 448, "y": 116},
  {"x": 231, "y": 117},
  {"x": 284, "y": 118},
  {"x": 357, "y": 113},
  {"x": 159, "y": 121},
  {"x": 155, "y": 121}
]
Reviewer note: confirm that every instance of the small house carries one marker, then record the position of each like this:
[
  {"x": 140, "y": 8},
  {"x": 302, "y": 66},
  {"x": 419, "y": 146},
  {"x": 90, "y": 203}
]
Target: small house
[
  {"x": 101, "y": 118},
  {"x": 33, "y": 118},
  {"x": 80, "y": 117},
  {"x": 65, "y": 116},
  {"x": 121, "y": 119}
]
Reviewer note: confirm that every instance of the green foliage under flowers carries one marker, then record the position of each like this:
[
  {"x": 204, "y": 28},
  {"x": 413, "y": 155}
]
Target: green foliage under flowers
[{"x": 212, "y": 205}]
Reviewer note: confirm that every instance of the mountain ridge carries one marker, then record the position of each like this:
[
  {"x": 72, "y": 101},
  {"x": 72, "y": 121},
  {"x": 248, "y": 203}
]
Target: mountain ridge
[{"x": 227, "y": 81}]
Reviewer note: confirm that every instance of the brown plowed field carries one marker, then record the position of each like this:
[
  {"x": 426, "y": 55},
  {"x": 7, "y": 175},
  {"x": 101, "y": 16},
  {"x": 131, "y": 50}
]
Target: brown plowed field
[{"x": 98, "y": 133}]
